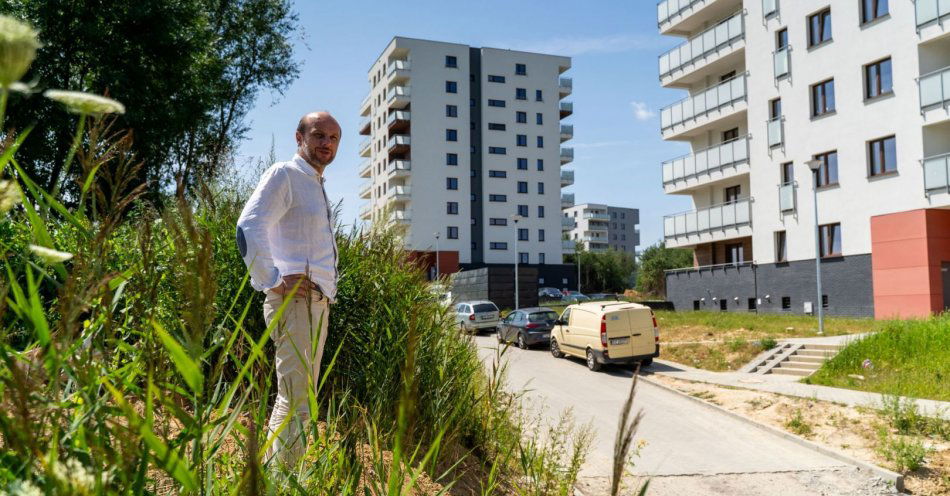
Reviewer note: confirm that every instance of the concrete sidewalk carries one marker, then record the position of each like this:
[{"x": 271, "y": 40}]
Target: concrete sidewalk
[{"x": 789, "y": 386}]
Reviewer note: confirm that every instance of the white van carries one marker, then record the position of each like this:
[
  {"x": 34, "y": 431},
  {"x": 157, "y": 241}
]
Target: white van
[{"x": 612, "y": 332}]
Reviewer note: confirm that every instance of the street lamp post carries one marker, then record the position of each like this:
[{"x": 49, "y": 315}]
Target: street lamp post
[
  {"x": 815, "y": 165},
  {"x": 515, "y": 218},
  {"x": 577, "y": 258},
  {"x": 437, "y": 272}
]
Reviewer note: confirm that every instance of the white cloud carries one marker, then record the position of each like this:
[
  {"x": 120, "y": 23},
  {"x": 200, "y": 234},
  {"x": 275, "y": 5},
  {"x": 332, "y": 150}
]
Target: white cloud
[
  {"x": 575, "y": 45},
  {"x": 641, "y": 111}
]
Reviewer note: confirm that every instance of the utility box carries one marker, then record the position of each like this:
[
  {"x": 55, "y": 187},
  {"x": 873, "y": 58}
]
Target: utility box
[{"x": 808, "y": 308}]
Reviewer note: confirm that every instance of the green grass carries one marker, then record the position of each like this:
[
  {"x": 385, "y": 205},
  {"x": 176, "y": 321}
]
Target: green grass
[
  {"x": 908, "y": 358},
  {"x": 685, "y": 326}
]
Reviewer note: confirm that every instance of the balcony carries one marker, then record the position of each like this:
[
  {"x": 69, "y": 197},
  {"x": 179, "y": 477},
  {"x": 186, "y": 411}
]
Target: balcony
[
  {"x": 679, "y": 17},
  {"x": 567, "y": 178},
  {"x": 399, "y": 168},
  {"x": 397, "y": 71},
  {"x": 398, "y": 143},
  {"x": 398, "y": 194},
  {"x": 786, "y": 197},
  {"x": 398, "y": 97},
  {"x": 567, "y": 200},
  {"x": 364, "y": 148},
  {"x": 568, "y": 246},
  {"x": 567, "y": 132},
  {"x": 931, "y": 11},
  {"x": 715, "y": 163},
  {"x": 704, "y": 108},
  {"x": 366, "y": 211},
  {"x": 366, "y": 168},
  {"x": 712, "y": 45},
  {"x": 782, "y": 62},
  {"x": 398, "y": 122},
  {"x": 935, "y": 92},
  {"x": 597, "y": 216},
  {"x": 716, "y": 223},
  {"x": 365, "y": 126},
  {"x": 567, "y": 108},
  {"x": 399, "y": 217},
  {"x": 567, "y": 223},
  {"x": 937, "y": 174},
  {"x": 567, "y": 155},
  {"x": 776, "y": 131},
  {"x": 595, "y": 239},
  {"x": 366, "y": 190},
  {"x": 565, "y": 86},
  {"x": 769, "y": 8},
  {"x": 366, "y": 106},
  {"x": 596, "y": 228}
]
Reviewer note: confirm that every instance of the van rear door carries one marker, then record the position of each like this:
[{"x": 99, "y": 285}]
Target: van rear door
[{"x": 629, "y": 332}]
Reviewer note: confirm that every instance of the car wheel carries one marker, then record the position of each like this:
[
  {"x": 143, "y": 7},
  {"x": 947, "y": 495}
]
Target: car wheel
[
  {"x": 522, "y": 342},
  {"x": 646, "y": 363},
  {"x": 592, "y": 362},
  {"x": 555, "y": 349}
]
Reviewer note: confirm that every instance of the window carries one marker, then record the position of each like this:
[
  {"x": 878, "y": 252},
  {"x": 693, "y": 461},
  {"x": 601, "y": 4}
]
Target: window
[
  {"x": 727, "y": 76},
  {"x": 521, "y": 117},
  {"x": 541, "y": 259},
  {"x": 695, "y": 304},
  {"x": 781, "y": 247},
  {"x": 873, "y": 9},
  {"x": 823, "y": 98},
  {"x": 497, "y": 198},
  {"x": 538, "y": 97},
  {"x": 451, "y": 61},
  {"x": 788, "y": 173},
  {"x": 878, "y": 79},
  {"x": 451, "y": 135},
  {"x": 540, "y": 164},
  {"x": 497, "y": 150},
  {"x": 539, "y": 118},
  {"x": 521, "y": 140},
  {"x": 730, "y": 135},
  {"x": 452, "y": 208},
  {"x": 540, "y": 211},
  {"x": 540, "y": 188},
  {"x": 451, "y": 183},
  {"x": 732, "y": 194},
  {"x": 522, "y": 234},
  {"x": 829, "y": 240},
  {"x": 522, "y": 186},
  {"x": 451, "y": 87},
  {"x": 786, "y": 303},
  {"x": 781, "y": 39},
  {"x": 735, "y": 253},
  {"x": 828, "y": 171},
  {"x": 540, "y": 141},
  {"x": 521, "y": 69},
  {"x": 451, "y": 159},
  {"x": 540, "y": 234},
  {"x": 775, "y": 108},
  {"x": 522, "y": 257},
  {"x": 819, "y": 28},
  {"x": 882, "y": 154},
  {"x": 496, "y": 103},
  {"x": 451, "y": 111},
  {"x": 497, "y": 173},
  {"x": 496, "y": 79},
  {"x": 522, "y": 164},
  {"x": 495, "y": 245},
  {"x": 824, "y": 301},
  {"x": 496, "y": 126},
  {"x": 523, "y": 210},
  {"x": 723, "y": 305},
  {"x": 751, "y": 303},
  {"x": 452, "y": 232},
  {"x": 521, "y": 94},
  {"x": 498, "y": 221}
]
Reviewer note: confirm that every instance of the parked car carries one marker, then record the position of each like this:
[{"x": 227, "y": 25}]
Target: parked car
[
  {"x": 473, "y": 316},
  {"x": 527, "y": 327},
  {"x": 604, "y": 296},
  {"x": 607, "y": 333},
  {"x": 575, "y": 297},
  {"x": 550, "y": 294}
]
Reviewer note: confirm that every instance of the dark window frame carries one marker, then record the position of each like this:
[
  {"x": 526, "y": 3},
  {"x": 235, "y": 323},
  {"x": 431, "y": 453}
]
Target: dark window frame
[
  {"x": 451, "y": 232},
  {"x": 451, "y": 87},
  {"x": 451, "y": 135},
  {"x": 884, "y": 168},
  {"x": 875, "y": 5},
  {"x": 824, "y": 19},
  {"x": 493, "y": 78},
  {"x": 823, "y": 98},
  {"x": 451, "y": 61},
  {"x": 451, "y": 208},
  {"x": 521, "y": 93},
  {"x": 452, "y": 159},
  {"x": 452, "y": 183},
  {"x": 521, "y": 117},
  {"x": 828, "y": 236},
  {"x": 498, "y": 173},
  {"x": 522, "y": 187},
  {"x": 494, "y": 102},
  {"x": 828, "y": 170},
  {"x": 781, "y": 247},
  {"x": 874, "y": 83}
]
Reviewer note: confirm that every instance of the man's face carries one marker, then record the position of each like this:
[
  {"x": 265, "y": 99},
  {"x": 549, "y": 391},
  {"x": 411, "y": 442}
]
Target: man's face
[{"x": 319, "y": 142}]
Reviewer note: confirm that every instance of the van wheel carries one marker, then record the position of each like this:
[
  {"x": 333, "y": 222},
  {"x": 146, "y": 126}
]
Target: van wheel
[
  {"x": 646, "y": 363},
  {"x": 592, "y": 362},
  {"x": 522, "y": 343},
  {"x": 555, "y": 349}
]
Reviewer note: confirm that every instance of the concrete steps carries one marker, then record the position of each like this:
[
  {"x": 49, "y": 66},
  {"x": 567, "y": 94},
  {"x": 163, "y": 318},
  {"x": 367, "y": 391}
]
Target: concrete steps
[{"x": 797, "y": 359}]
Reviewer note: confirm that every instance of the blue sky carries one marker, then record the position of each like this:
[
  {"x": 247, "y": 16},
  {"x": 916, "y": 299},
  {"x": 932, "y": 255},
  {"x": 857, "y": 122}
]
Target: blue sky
[{"x": 614, "y": 45}]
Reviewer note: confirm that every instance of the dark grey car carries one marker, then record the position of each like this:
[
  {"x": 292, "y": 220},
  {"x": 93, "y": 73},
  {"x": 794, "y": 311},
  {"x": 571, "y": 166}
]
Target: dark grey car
[{"x": 527, "y": 327}]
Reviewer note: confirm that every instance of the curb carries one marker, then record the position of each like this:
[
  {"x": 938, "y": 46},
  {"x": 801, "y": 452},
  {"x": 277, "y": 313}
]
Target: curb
[{"x": 892, "y": 477}]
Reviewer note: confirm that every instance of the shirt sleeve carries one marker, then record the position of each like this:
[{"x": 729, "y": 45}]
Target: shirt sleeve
[{"x": 269, "y": 202}]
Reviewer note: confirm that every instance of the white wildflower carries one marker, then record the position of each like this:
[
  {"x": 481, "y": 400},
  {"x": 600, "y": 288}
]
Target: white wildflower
[
  {"x": 24, "y": 488},
  {"x": 80, "y": 478},
  {"x": 50, "y": 255},
  {"x": 9, "y": 195},
  {"x": 78, "y": 102},
  {"x": 18, "y": 45}
]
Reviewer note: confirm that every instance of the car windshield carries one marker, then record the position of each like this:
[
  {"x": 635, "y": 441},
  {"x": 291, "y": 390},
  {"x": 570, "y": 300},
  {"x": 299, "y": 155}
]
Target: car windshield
[
  {"x": 542, "y": 316},
  {"x": 485, "y": 307}
]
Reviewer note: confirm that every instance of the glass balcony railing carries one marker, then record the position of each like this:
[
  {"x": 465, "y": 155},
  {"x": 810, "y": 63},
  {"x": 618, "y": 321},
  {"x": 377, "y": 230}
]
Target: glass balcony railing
[
  {"x": 667, "y": 9},
  {"x": 929, "y": 11},
  {"x": 703, "y": 102},
  {"x": 397, "y": 65},
  {"x": 567, "y": 155},
  {"x": 782, "y": 62},
  {"x": 568, "y": 245},
  {"x": 717, "y": 217},
  {"x": 703, "y": 45},
  {"x": 567, "y": 177},
  {"x": 597, "y": 216},
  {"x": 769, "y": 7},
  {"x": 365, "y": 144},
  {"x": 567, "y": 199},
  {"x": 396, "y": 166},
  {"x": 935, "y": 89},
  {"x": 399, "y": 191},
  {"x": 937, "y": 173},
  {"x": 567, "y": 131},
  {"x": 565, "y": 85},
  {"x": 786, "y": 197},
  {"x": 705, "y": 161},
  {"x": 567, "y": 222},
  {"x": 776, "y": 131}
]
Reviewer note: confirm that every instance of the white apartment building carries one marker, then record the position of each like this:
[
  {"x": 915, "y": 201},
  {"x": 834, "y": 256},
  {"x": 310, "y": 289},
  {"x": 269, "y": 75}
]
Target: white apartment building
[
  {"x": 460, "y": 140},
  {"x": 602, "y": 227},
  {"x": 863, "y": 86}
]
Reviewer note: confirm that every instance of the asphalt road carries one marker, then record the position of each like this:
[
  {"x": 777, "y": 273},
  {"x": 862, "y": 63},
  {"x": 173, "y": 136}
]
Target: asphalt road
[{"x": 690, "y": 449}]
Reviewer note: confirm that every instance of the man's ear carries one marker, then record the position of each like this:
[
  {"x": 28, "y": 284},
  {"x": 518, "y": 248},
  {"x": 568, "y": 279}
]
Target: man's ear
[{"x": 298, "y": 136}]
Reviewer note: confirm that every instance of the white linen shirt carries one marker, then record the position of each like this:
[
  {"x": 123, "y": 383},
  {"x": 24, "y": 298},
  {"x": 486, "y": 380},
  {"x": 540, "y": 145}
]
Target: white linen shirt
[{"x": 286, "y": 228}]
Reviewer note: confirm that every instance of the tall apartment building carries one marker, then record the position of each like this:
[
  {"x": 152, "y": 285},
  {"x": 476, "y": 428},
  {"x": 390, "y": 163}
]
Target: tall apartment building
[
  {"x": 460, "y": 139},
  {"x": 602, "y": 227},
  {"x": 861, "y": 86}
]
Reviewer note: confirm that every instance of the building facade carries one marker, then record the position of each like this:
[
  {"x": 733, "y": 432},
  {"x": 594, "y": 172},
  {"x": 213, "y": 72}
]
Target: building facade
[
  {"x": 863, "y": 87},
  {"x": 601, "y": 227},
  {"x": 465, "y": 144}
]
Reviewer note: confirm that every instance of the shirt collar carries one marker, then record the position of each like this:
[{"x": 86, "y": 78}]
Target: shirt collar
[{"x": 306, "y": 168}]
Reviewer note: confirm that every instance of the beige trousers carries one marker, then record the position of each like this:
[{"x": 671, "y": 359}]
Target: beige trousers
[{"x": 298, "y": 338}]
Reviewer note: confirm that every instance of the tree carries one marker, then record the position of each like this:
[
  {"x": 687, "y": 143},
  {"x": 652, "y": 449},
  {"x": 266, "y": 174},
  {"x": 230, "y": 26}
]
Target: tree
[
  {"x": 187, "y": 70},
  {"x": 606, "y": 271},
  {"x": 655, "y": 261}
]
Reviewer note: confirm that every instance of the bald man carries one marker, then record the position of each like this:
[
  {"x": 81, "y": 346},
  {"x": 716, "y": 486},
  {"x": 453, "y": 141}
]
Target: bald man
[{"x": 285, "y": 235}]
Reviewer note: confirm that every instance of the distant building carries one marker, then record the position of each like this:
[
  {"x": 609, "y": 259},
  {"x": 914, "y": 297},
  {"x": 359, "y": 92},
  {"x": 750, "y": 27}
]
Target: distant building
[{"x": 601, "y": 227}]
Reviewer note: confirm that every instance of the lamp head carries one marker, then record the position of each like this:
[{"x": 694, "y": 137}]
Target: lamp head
[
  {"x": 515, "y": 218},
  {"x": 813, "y": 164}
]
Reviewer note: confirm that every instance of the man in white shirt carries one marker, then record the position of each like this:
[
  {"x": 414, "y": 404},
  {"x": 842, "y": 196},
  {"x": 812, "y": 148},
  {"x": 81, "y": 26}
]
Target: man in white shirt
[{"x": 285, "y": 235}]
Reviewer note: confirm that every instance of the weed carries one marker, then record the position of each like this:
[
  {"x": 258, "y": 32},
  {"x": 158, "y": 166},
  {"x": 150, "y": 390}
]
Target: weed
[
  {"x": 767, "y": 343},
  {"x": 798, "y": 425},
  {"x": 736, "y": 344},
  {"x": 905, "y": 453}
]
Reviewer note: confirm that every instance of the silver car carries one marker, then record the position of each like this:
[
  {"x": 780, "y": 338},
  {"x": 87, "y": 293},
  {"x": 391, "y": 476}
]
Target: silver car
[{"x": 473, "y": 316}]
